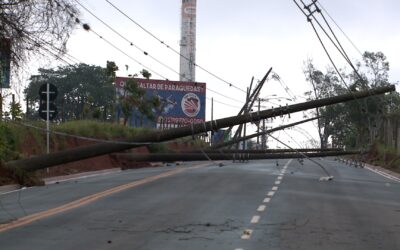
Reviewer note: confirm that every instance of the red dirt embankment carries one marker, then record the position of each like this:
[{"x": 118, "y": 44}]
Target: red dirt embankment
[
  {"x": 32, "y": 147},
  {"x": 91, "y": 164}
]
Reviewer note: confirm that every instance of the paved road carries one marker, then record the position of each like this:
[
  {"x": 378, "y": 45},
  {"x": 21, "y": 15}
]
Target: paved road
[{"x": 255, "y": 205}]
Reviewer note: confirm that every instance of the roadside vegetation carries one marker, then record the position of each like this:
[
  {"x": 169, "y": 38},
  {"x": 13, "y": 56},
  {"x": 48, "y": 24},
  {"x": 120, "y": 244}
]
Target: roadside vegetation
[
  {"x": 369, "y": 125},
  {"x": 384, "y": 156}
]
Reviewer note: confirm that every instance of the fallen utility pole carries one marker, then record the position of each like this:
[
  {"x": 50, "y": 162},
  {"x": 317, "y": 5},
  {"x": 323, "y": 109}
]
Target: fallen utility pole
[
  {"x": 265, "y": 151},
  {"x": 168, "y": 157},
  {"x": 84, "y": 152},
  {"x": 246, "y": 107},
  {"x": 245, "y": 138}
]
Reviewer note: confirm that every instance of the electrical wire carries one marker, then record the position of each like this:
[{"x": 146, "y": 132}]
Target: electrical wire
[
  {"x": 304, "y": 155},
  {"x": 276, "y": 77},
  {"x": 326, "y": 51},
  {"x": 342, "y": 51},
  {"x": 138, "y": 62},
  {"x": 126, "y": 39},
  {"x": 350, "y": 63},
  {"x": 126, "y": 54},
  {"x": 19, "y": 202},
  {"x": 223, "y": 103},
  {"x": 143, "y": 51},
  {"x": 175, "y": 51},
  {"x": 341, "y": 30}
]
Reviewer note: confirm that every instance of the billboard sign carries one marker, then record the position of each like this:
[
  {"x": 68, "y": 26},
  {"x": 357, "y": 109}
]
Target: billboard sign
[
  {"x": 180, "y": 102},
  {"x": 5, "y": 61}
]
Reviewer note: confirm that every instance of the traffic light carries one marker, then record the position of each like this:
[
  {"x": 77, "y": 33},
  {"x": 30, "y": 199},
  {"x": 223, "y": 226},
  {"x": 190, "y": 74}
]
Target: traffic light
[{"x": 51, "y": 92}]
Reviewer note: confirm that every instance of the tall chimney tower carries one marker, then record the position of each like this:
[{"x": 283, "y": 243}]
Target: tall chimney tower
[{"x": 188, "y": 41}]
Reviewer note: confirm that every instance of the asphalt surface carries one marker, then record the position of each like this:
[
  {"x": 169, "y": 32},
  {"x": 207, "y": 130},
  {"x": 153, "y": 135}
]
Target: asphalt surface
[{"x": 254, "y": 205}]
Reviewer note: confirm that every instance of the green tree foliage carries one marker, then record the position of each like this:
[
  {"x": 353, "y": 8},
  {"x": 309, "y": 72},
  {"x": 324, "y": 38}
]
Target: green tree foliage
[
  {"x": 6, "y": 142},
  {"x": 35, "y": 27},
  {"x": 135, "y": 99},
  {"x": 16, "y": 111},
  {"x": 145, "y": 73},
  {"x": 324, "y": 85},
  {"x": 111, "y": 68},
  {"x": 83, "y": 90},
  {"x": 353, "y": 124}
]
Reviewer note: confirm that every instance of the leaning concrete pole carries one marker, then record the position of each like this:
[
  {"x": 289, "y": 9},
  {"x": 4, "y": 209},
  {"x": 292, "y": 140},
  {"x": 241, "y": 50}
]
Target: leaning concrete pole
[{"x": 84, "y": 152}]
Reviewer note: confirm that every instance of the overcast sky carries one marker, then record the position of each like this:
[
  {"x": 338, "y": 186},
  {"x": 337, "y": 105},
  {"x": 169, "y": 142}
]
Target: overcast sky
[{"x": 237, "y": 40}]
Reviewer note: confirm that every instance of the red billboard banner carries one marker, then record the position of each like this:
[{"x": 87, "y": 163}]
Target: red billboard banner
[{"x": 181, "y": 102}]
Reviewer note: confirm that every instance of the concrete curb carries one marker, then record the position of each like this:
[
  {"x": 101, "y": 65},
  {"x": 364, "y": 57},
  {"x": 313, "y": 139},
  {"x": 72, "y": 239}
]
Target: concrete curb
[
  {"x": 62, "y": 178},
  {"x": 9, "y": 188},
  {"x": 384, "y": 172}
]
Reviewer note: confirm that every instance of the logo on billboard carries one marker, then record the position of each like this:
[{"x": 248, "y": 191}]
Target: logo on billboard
[{"x": 190, "y": 104}]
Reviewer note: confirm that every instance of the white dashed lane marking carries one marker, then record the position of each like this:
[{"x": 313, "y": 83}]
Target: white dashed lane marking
[
  {"x": 255, "y": 219},
  {"x": 246, "y": 234},
  {"x": 266, "y": 200},
  {"x": 261, "y": 208}
]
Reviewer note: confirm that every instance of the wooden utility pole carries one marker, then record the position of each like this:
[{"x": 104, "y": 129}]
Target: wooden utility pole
[{"x": 84, "y": 152}]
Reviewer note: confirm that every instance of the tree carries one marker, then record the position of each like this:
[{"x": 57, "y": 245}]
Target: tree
[
  {"x": 82, "y": 90},
  {"x": 323, "y": 85},
  {"x": 145, "y": 73},
  {"x": 111, "y": 68},
  {"x": 377, "y": 67},
  {"x": 353, "y": 124},
  {"x": 135, "y": 103},
  {"x": 36, "y": 27},
  {"x": 16, "y": 111}
]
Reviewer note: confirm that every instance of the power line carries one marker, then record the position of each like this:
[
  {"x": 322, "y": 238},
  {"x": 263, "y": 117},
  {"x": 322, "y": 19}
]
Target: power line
[
  {"x": 338, "y": 46},
  {"x": 305, "y": 156},
  {"x": 126, "y": 54},
  {"x": 276, "y": 77},
  {"x": 87, "y": 27},
  {"x": 223, "y": 103},
  {"x": 126, "y": 39},
  {"x": 342, "y": 51},
  {"x": 169, "y": 47},
  {"x": 138, "y": 62},
  {"x": 50, "y": 51},
  {"x": 337, "y": 25},
  {"x": 323, "y": 45},
  {"x": 144, "y": 52}
]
